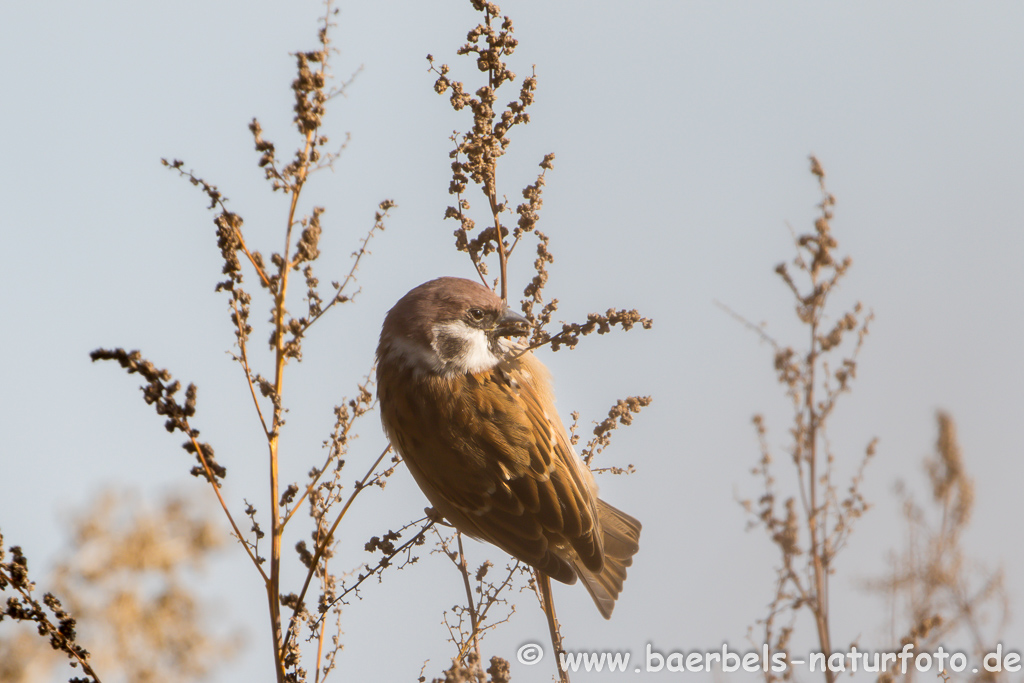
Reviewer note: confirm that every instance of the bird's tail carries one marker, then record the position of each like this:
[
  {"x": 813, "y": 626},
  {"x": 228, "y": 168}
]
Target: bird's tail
[{"x": 621, "y": 542}]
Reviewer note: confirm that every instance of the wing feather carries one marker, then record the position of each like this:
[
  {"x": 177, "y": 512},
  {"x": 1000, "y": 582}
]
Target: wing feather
[{"x": 490, "y": 450}]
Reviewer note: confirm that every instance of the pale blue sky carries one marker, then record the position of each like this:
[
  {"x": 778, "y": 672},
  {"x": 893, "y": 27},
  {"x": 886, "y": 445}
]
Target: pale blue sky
[{"x": 681, "y": 132}]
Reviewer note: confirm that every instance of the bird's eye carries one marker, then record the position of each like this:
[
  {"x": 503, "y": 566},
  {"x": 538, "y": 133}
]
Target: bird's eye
[{"x": 476, "y": 314}]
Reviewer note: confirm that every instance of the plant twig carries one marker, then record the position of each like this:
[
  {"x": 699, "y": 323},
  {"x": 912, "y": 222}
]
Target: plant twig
[
  {"x": 322, "y": 547},
  {"x": 553, "y": 629}
]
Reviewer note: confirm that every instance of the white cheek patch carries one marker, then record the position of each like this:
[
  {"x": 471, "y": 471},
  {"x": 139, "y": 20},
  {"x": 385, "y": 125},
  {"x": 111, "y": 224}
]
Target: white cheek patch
[{"x": 462, "y": 349}]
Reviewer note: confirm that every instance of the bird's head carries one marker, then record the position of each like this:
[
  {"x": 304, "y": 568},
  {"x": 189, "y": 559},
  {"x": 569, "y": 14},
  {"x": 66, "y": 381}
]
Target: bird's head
[{"x": 448, "y": 326}]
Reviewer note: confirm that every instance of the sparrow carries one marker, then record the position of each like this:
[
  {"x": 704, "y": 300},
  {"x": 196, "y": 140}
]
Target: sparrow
[{"x": 473, "y": 416}]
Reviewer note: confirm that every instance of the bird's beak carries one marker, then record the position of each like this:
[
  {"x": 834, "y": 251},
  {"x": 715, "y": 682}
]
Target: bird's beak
[{"x": 512, "y": 324}]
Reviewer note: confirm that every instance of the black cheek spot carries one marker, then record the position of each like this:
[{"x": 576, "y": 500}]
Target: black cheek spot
[{"x": 448, "y": 346}]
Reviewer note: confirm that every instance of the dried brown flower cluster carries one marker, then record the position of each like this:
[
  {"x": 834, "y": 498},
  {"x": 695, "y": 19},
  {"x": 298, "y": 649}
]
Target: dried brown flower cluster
[
  {"x": 471, "y": 671},
  {"x": 50, "y": 618},
  {"x": 620, "y": 414},
  {"x": 160, "y": 393},
  {"x": 596, "y": 322}
]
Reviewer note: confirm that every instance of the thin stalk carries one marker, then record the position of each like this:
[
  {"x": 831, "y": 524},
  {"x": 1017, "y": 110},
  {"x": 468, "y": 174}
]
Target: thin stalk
[{"x": 549, "y": 611}]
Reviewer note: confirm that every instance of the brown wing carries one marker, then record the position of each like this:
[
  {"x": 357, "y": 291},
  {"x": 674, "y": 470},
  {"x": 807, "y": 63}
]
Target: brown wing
[
  {"x": 572, "y": 482},
  {"x": 492, "y": 456}
]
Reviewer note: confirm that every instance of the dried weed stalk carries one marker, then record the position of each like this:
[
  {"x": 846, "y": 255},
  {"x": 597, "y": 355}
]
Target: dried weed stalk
[
  {"x": 475, "y": 160},
  {"x": 810, "y": 525},
  {"x": 934, "y": 591},
  {"x": 50, "y": 618},
  {"x": 931, "y": 585},
  {"x": 127, "y": 571},
  {"x": 322, "y": 492},
  {"x": 469, "y": 622}
]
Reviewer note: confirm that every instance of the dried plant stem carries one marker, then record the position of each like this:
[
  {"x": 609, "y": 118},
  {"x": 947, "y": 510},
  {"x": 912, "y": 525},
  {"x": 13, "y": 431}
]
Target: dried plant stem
[
  {"x": 320, "y": 647},
  {"x": 475, "y": 162},
  {"x": 217, "y": 201},
  {"x": 252, "y": 260},
  {"x": 502, "y": 586},
  {"x": 470, "y": 602},
  {"x": 274, "y": 582},
  {"x": 815, "y": 519},
  {"x": 756, "y": 329},
  {"x": 224, "y": 507},
  {"x": 322, "y": 546},
  {"x": 502, "y": 256},
  {"x": 323, "y": 627},
  {"x": 276, "y": 521},
  {"x": 45, "y": 627},
  {"x": 549, "y": 611},
  {"x": 244, "y": 360},
  {"x": 813, "y": 512},
  {"x": 286, "y": 333},
  {"x": 492, "y": 190},
  {"x": 363, "y": 251},
  {"x": 276, "y": 526},
  {"x": 316, "y": 479},
  {"x": 383, "y": 563}
]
